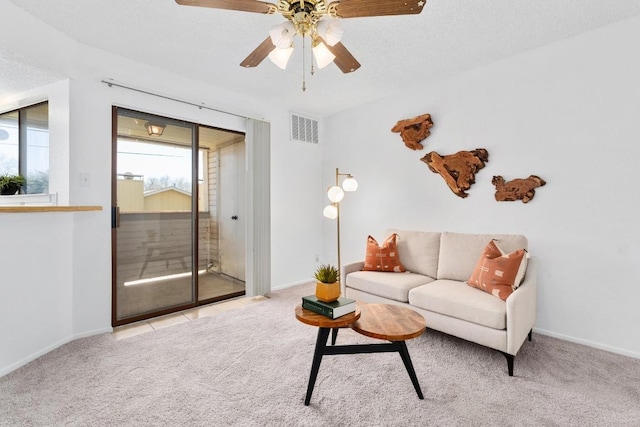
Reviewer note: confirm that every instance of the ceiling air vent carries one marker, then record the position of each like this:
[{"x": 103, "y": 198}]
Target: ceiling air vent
[{"x": 304, "y": 129}]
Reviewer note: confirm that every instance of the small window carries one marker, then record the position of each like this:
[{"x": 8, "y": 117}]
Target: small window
[{"x": 24, "y": 146}]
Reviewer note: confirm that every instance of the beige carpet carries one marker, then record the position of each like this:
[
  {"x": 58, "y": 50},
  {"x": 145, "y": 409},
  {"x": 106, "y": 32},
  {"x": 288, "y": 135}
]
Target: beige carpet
[{"x": 250, "y": 367}]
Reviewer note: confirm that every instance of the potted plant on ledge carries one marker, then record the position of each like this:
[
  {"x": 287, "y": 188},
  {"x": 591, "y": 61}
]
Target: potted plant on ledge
[
  {"x": 11, "y": 184},
  {"x": 328, "y": 285}
]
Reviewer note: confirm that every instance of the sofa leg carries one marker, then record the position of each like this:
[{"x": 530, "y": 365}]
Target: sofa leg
[
  {"x": 530, "y": 334},
  {"x": 510, "y": 359}
]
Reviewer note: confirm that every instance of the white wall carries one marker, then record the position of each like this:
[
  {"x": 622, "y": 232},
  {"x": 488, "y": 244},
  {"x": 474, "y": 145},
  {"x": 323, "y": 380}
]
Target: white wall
[
  {"x": 566, "y": 112},
  {"x": 55, "y": 283},
  {"x": 36, "y": 285}
]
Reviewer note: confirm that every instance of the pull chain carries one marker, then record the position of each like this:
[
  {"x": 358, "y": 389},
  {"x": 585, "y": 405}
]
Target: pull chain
[
  {"x": 311, "y": 59},
  {"x": 304, "y": 85}
]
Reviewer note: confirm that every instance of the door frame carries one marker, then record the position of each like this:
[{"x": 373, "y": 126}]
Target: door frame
[{"x": 258, "y": 213}]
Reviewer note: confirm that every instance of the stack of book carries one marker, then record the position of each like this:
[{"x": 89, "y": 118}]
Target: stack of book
[{"x": 332, "y": 310}]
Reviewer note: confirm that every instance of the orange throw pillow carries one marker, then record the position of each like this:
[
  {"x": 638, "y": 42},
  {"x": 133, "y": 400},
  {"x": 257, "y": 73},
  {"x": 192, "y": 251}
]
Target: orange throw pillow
[
  {"x": 383, "y": 258},
  {"x": 495, "y": 273}
]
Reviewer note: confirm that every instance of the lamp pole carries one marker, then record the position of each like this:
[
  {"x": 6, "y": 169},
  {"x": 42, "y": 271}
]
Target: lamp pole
[
  {"x": 336, "y": 193},
  {"x": 342, "y": 285}
]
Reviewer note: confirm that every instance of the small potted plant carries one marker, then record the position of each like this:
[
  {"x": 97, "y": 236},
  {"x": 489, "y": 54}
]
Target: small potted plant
[
  {"x": 11, "y": 184},
  {"x": 328, "y": 285}
]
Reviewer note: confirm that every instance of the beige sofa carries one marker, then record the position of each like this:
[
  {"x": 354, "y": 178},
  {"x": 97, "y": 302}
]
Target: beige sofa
[{"x": 438, "y": 266}]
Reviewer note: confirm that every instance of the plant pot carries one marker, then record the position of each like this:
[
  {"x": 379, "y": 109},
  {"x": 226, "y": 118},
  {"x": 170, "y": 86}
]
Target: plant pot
[
  {"x": 10, "y": 189},
  {"x": 328, "y": 292}
]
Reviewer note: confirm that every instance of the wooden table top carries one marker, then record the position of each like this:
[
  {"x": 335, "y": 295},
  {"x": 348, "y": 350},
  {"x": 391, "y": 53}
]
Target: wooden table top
[
  {"x": 322, "y": 321},
  {"x": 389, "y": 322}
]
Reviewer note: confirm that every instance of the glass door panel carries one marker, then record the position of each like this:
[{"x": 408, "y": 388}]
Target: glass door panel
[{"x": 154, "y": 245}]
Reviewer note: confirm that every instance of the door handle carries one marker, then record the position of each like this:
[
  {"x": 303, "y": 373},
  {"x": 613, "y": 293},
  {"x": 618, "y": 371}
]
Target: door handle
[
  {"x": 234, "y": 217},
  {"x": 115, "y": 217}
]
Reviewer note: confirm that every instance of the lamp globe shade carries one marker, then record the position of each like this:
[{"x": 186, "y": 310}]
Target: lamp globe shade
[
  {"x": 280, "y": 57},
  {"x": 282, "y": 35},
  {"x": 323, "y": 55},
  {"x": 330, "y": 211},
  {"x": 330, "y": 30},
  {"x": 335, "y": 194},
  {"x": 350, "y": 184}
]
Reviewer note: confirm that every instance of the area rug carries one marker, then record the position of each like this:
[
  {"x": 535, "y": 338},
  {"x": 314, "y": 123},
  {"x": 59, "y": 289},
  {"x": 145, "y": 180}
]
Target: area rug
[{"x": 250, "y": 367}]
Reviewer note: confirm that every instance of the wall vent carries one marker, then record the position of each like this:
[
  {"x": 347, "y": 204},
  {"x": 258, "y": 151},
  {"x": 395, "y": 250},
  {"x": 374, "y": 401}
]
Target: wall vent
[{"x": 303, "y": 129}]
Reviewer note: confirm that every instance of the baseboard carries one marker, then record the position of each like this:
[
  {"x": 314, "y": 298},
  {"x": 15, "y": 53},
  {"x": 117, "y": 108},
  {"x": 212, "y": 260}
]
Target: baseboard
[
  {"x": 92, "y": 333},
  {"x": 33, "y": 356},
  {"x": 290, "y": 285},
  {"x": 588, "y": 343}
]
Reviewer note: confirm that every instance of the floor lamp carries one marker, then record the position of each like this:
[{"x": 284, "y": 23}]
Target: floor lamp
[{"x": 332, "y": 211}]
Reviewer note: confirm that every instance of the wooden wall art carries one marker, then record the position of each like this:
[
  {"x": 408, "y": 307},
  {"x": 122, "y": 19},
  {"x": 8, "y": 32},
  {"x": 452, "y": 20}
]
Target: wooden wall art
[
  {"x": 458, "y": 170},
  {"x": 413, "y": 131},
  {"x": 517, "y": 189}
]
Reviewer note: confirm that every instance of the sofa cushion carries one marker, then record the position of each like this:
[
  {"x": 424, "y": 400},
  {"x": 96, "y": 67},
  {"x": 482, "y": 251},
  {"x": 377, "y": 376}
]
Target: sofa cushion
[
  {"x": 456, "y": 299},
  {"x": 460, "y": 252},
  {"x": 496, "y": 272},
  {"x": 394, "y": 286},
  {"x": 383, "y": 257},
  {"x": 418, "y": 251}
]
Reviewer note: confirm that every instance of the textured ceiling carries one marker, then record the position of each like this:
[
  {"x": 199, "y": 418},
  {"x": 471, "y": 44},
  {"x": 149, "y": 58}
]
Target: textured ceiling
[
  {"x": 18, "y": 74},
  {"x": 396, "y": 53}
]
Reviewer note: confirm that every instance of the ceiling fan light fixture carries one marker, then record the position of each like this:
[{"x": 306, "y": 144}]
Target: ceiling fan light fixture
[
  {"x": 323, "y": 55},
  {"x": 280, "y": 57},
  {"x": 316, "y": 19},
  {"x": 330, "y": 30},
  {"x": 282, "y": 35}
]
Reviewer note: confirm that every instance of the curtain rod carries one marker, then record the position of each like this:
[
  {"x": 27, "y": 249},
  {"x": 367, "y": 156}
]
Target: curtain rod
[{"x": 111, "y": 83}]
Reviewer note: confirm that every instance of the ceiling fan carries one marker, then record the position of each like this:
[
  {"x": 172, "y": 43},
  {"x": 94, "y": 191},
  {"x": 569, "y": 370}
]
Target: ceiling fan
[{"x": 316, "y": 19}]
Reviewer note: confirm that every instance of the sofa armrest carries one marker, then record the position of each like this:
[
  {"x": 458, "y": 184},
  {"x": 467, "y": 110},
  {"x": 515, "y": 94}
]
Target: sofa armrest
[
  {"x": 349, "y": 268},
  {"x": 521, "y": 309}
]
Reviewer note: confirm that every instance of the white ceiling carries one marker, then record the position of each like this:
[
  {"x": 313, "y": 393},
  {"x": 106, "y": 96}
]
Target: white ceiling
[{"x": 397, "y": 53}]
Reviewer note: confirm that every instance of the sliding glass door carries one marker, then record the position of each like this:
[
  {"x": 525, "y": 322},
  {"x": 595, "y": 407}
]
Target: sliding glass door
[{"x": 169, "y": 203}]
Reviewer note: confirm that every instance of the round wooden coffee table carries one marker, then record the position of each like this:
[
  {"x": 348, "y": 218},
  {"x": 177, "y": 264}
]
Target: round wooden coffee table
[{"x": 382, "y": 321}]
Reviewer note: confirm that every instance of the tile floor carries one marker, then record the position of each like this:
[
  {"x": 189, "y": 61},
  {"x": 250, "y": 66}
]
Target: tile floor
[{"x": 151, "y": 325}]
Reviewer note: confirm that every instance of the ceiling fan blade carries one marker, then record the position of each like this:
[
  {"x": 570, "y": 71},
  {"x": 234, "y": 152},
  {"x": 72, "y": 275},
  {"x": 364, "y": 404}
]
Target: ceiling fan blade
[
  {"x": 344, "y": 60},
  {"x": 242, "y": 5},
  {"x": 257, "y": 56},
  {"x": 359, "y": 8}
]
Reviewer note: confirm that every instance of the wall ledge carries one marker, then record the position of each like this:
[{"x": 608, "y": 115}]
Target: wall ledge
[{"x": 35, "y": 209}]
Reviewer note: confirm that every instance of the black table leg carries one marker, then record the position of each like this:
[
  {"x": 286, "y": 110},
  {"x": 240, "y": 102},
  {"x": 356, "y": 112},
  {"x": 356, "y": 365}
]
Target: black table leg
[
  {"x": 321, "y": 342},
  {"x": 322, "y": 349},
  {"x": 404, "y": 353},
  {"x": 334, "y": 336}
]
